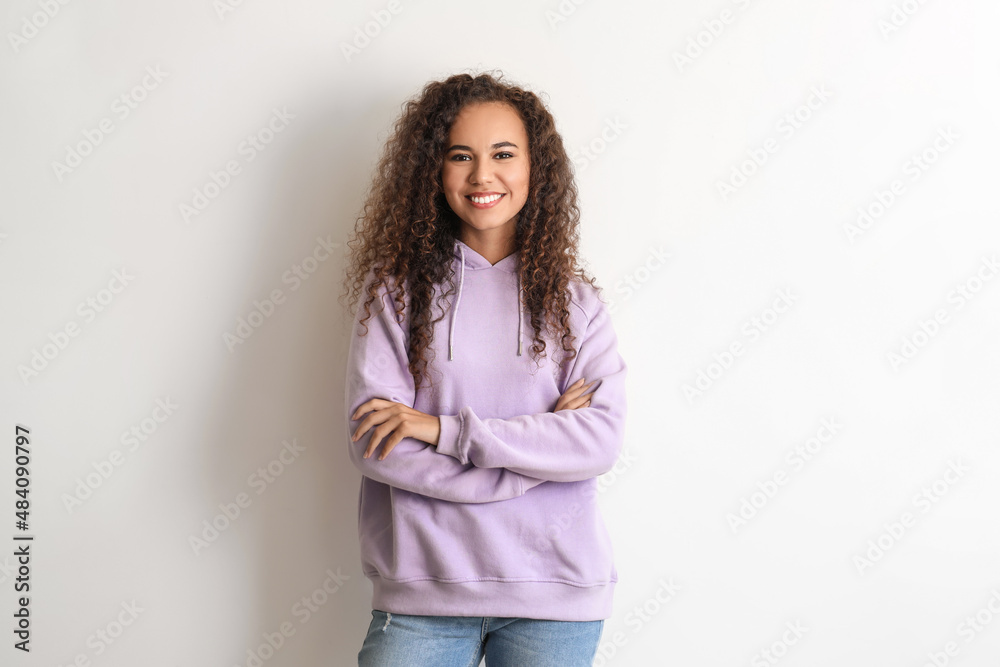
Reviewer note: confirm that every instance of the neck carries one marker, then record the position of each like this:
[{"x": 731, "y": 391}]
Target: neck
[{"x": 494, "y": 248}]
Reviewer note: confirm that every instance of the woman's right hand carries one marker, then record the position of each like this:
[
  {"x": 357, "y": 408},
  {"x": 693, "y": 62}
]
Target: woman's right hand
[{"x": 572, "y": 399}]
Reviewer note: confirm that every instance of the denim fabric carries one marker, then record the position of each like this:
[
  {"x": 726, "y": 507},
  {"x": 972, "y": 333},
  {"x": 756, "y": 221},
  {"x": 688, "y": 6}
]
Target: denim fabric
[{"x": 403, "y": 640}]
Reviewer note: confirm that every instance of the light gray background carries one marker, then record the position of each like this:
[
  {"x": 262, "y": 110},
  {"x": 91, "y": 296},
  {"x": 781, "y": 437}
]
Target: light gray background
[{"x": 660, "y": 135}]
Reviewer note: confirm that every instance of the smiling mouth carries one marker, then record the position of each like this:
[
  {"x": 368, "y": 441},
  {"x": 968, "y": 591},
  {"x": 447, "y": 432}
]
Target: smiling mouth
[{"x": 486, "y": 201}]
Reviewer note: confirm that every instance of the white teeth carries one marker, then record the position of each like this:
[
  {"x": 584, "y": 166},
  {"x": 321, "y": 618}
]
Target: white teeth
[{"x": 486, "y": 200}]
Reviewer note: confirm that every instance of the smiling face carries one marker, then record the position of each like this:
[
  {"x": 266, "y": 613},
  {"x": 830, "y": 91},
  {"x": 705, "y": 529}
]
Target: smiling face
[{"x": 485, "y": 171}]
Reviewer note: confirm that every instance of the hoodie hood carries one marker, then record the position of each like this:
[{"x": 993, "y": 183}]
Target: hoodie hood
[{"x": 468, "y": 258}]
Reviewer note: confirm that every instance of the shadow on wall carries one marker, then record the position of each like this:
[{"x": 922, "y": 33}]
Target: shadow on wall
[{"x": 279, "y": 423}]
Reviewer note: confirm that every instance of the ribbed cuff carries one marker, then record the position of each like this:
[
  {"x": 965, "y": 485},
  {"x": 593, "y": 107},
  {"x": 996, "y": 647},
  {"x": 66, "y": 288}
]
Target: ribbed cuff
[{"x": 449, "y": 441}]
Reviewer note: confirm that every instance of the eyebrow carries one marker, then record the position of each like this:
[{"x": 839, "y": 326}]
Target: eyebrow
[{"x": 499, "y": 144}]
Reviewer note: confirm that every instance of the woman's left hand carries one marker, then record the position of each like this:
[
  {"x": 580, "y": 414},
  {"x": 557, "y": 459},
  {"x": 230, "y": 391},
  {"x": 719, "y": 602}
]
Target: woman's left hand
[{"x": 397, "y": 421}]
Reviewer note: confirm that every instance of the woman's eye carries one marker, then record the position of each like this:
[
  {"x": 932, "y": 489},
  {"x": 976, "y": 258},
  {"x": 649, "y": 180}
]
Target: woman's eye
[{"x": 461, "y": 157}]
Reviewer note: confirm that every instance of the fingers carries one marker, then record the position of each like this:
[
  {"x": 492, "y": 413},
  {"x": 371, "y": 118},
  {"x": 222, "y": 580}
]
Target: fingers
[
  {"x": 387, "y": 429},
  {"x": 392, "y": 430},
  {"x": 363, "y": 427},
  {"x": 396, "y": 431},
  {"x": 368, "y": 406},
  {"x": 577, "y": 389},
  {"x": 390, "y": 445},
  {"x": 392, "y": 422},
  {"x": 375, "y": 418},
  {"x": 387, "y": 447},
  {"x": 374, "y": 442},
  {"x": 571, "y": 399},
  {"x": 579, "y": 386},
  {"x": 578, "y": 402},
  {"x": 387, "y": 419},
  {"x": 380, "y": 410}
]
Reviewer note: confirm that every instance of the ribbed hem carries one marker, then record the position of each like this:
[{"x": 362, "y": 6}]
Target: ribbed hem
[{"x": 551, "y": 601}]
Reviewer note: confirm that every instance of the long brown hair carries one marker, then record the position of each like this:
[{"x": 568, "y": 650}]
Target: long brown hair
[{"x": 406, "y": 231}]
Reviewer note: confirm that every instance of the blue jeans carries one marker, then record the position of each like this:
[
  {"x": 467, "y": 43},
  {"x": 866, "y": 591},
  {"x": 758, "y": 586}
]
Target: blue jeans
[{"x": 402, "y": 640}]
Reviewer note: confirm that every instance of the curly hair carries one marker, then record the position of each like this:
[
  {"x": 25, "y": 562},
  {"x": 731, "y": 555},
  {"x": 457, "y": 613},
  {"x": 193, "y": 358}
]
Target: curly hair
[{"x": 406, "y": 231}]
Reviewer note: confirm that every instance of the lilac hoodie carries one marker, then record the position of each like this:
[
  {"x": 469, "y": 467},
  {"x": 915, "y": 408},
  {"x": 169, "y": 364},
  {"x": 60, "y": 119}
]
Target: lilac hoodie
[{"x": 501, "y": 517}]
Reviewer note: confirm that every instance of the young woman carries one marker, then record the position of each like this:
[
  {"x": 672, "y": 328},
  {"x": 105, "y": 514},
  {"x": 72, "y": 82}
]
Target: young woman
[{"x": 477, "y": 514}]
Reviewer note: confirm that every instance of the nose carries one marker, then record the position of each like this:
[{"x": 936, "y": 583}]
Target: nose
[{"x": 482, "y": 172}]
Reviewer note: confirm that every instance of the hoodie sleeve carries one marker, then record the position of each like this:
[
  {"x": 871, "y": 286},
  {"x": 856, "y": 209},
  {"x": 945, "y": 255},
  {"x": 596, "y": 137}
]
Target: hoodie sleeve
[
  {"x": 377, "y": 367},
  {"x": 563, "y": 446}
]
